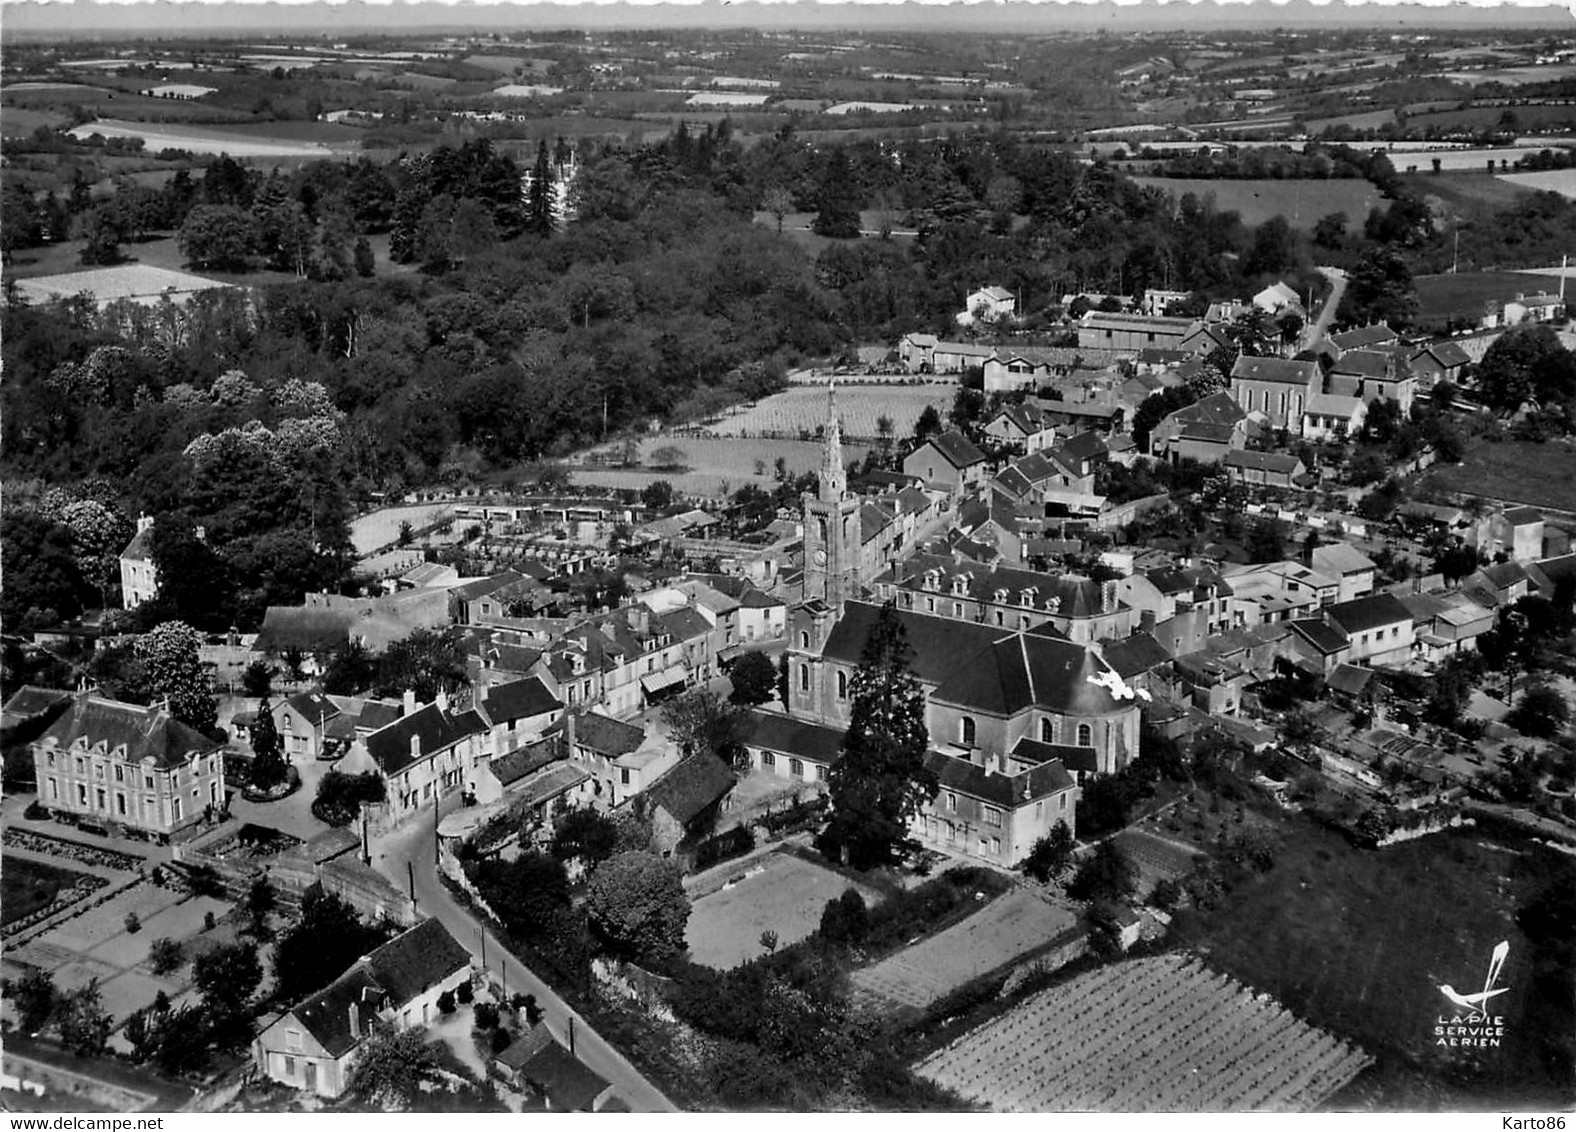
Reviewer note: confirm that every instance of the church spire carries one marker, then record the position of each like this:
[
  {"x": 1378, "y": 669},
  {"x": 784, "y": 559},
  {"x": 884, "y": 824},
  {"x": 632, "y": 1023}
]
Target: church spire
[{"x": 834, "y": 478}]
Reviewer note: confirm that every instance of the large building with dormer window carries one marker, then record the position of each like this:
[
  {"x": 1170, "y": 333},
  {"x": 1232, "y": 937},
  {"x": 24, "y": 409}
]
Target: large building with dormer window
[{"x": 128, "y": 768}]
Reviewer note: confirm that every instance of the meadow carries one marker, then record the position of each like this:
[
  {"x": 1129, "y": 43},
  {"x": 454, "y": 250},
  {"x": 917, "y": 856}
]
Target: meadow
[
  {"x": 1301, "y": 202},
  {"x": 1517, "y": 471},
  {"x": 1465, "y": 295},
  {"x": 802, "y": 410},
  {"x": 210, "y": 140}
]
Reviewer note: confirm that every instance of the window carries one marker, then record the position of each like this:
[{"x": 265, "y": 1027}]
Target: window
[
  {"x": 957, "y": 609},
  {"x": 1000, "y": 618},
  {"x": 796, "y": 767},
  {"x": 804, "y": 677},
  {"x": 804, "y": 640},
  {"x": 288, "y": 724},
  {"x": 120, "y": 774},
  {"x": 1047, "y": 731},
  {"x": 984, "y": 846},
  {"x": 992, "y": 816},
  {"x": 289, "y": 1066},
  {"x": 952, "y": 802},
  {"x": 1085, "y": 735},
  {"x": 966, "y": 730},
  {"x": 1039, "y": 808},
  {"x": 930, "y": 605},
  {"x": 623, "y": 776},
  {"x": 768, "y": 758},
  {"x": 952, "y": 833},
  {"x": 820, "y": 772},
  {"x": 54, "y": 790},
  {"x": 842, "y": 685},
  {"x": 147, "y": 782},
  {"x": 120, "y": 803},
  {"x": 50, "y": 758},
  {"x": 81, "y": 767},
  {"x": 995, "y": 845},
  {"x": 175, "y": 807},
  {"x": 1061, "y": 801},
  {"x": 82, "y": 794}
]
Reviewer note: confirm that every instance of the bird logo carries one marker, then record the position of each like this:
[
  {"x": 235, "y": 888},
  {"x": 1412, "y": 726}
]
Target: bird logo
[{"x": 1478, "y": 1003}]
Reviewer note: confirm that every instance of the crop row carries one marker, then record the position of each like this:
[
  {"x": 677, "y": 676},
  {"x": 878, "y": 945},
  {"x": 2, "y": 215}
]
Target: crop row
[{"x": 1159, "y": 1034}]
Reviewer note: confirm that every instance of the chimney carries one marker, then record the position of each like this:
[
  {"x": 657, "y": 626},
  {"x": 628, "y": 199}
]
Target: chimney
[
  {"x": 1107, "y": 596},
  {"x": 410, "y": 701},
  {"x": 144, "y": 522},
  {"x": 443, "y": 701},
  {"x": 355, "y": 1020},
  {"x": 415, "y": 746}
]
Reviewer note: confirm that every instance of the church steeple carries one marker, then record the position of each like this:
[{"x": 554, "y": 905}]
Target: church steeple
[{"x": 834, "y": 477}]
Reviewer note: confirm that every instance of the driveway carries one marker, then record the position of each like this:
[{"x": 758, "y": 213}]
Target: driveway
[{"x": 1313, "y": 334}]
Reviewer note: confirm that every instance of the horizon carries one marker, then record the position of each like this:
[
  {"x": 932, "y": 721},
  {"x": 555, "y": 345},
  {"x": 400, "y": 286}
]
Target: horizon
[{"x": 186, "y": 19}]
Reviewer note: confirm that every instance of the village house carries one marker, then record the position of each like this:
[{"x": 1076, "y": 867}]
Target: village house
[
  {"x": 516, "y": 714},
  {"x": 558, "y": 1081},
  {"x": 1278, "y": 299},
  {"x": 1019, "y": 428},
  {"x": 1263, "y": 469},
  {"x": 622, "y": 759},
  {"x": 1042, "y": 476},
  {"x": 1374, "y": 336},
  {"x": 1446, "y": 624},
  {"x": 314, "y": 1045},
  {"x": 139, "y": 577},
  {"x": 1516, "y": 532},
  {"x": 1378, "y": 628},
  {"x": 128, "y": 769},
  {"x": 1372, "y": 375},
  {"x": 1438, "y": 362},
  {"x": 988, "y": 304},
  {"x": 917, "y": 352},
  {"x": 996, "y": 806},
  {"x": 1355, "y": 571},
  {"x": 428, "y": 753},
  {"x": 303, "y": 725},
  {"x": 686, "y": 800},
  {"x": 950, "y": 460},
  {"x": 1206, "y": 431},
  {"x": 1131, "y": 332},
  {"x": 1331, "y": 416}
]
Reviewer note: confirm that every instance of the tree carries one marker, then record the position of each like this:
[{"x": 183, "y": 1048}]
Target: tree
[
  {"x": 260, "y": 900},
  {"x": 657, "y": 495},
  {"x": 1330, "y": 231},
  {"x": 43, "y": 581},
  {"x": 257, "y": 679},
  {"x": 1542, "y": 713},
  {"x": 1155, "y": 408},
  {"x": 268, "y": 767},
  {"x": 880, "y": 783},
  {"x": 195, "y": 585},
  {"x": 1380, "y": 289},
  {"x": 392, "y": 1066},
  {"x": 845, "y": 919},
  {"x": 637, "y": 905},
  {"x": 754, "y": 679},
  {"x": 838, "y": 200},
  {"x": 669, "y": 458},
  {"x": 327, "y": 939},
  {"x": 1106, "y": 874},
  {"x": 350, "y": 670},
  {"x": 218, "y": 237},
  {"x": 1050, "y": 855},
  {"x": 170, "y": 654},
  {"x": 928, "y": 424},
  {"x": 529, "y": 892},
  {"x": 701, "y": 720},
  {"x": 427, "y": 662},
  {"x": 165, "y": 955},
  {"x": 362, "y": 258},
  {"x": 779, "y": 202},
  {"x": 33, "y": 996},
  {"x": 101, "y": 238},
  {"x": 1266, "y": 541},
  {"x": 340, "y": 795},
  {"x": 584, "y": 834},
  {"x": 1527, "y": 363},
  {"x": 226, "y": 976},
  {"x": 539, "y": 219},
  {"x": 83, "y": 1022}
]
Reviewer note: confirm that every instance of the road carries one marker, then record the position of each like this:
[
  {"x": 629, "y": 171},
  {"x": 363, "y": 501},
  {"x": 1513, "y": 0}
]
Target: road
[
  {"x": 1314, "y": 334},
  {"x": 415, "y": 845}
]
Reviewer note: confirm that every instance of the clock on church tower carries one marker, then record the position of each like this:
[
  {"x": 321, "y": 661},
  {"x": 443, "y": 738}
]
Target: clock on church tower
[{"x": 831, "y": 522}]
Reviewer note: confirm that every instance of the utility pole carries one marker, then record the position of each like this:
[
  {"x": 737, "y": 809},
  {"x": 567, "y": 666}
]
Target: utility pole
[
  {"x": 410, "y": 876},
  {"x": 437, "y": 854}
]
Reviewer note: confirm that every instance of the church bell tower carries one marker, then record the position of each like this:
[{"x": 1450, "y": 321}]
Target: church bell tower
[{"x": 831, "y": 522}]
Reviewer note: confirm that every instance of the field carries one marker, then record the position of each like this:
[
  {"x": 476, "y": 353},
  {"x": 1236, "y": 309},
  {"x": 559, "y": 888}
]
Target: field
[
  {"x": 1458, "y": 192},
  {"x": 64, "y": 257},
  {"x": 111, "y": 103},
  {"x": 27, "y": 886},
  {"x": 803, "y": 409},
  {"x": 1539, "y": 475},
  {"x": 1528, "y": 117},
  {"x": 209, "y": 140},
  {"x": 1302, "y": 203},
  {"x": 1562, "y": 181},
  {"x": 379, "y": 528},
  {"x": 1164, "y": 1034},
  {"x": 1465, "y": 295},
  {"x": 715, "y": 464},
  {"x": 1358, "y": 942},
  {"x": 1007, "y": 927},
  {"x": 1156, "y": 857},
  {"x": 786, "y": 897}
]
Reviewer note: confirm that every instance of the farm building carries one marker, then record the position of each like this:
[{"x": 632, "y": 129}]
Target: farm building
[
  {"x": 185, "y": 92},
  {"x": 987, "y": 305},
  {"x": 1116, "y": 331}
]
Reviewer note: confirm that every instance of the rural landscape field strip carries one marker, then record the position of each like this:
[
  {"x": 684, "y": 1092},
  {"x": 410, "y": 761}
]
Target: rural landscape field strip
[
  {"x": 859, "y": 408},
  {"x": 1158, "y": 1034}
]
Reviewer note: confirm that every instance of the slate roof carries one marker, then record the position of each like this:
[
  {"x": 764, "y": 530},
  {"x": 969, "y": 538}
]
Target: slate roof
[
  {"x": 1283, "y": 371},
  {"x": 1077, "y": 597},
  {"x": 789, "y": 736},
  {"x": 938, "y": 643},
  {"x": 1085, "y": 446},
  {"x": 519, "y": 699},
  {"x": 312, "y": 630},
  {"x": 392, "y": 974},
  {"x": 484, "y": 586},
  {"x": 568, "y": 1084},
  {"x": 1332, "y": 405},
  {"x": 1349, "y": 679},
  {"x": 1263, "y": 461},
  {"x": 376, "y": 714},
  {"x": 145, "y": 732},
  {"x": 1321, "y": 636},
  {"x": 313, "y": 706},
  {"x": 1364, "y": 336},
  {"x": 433, "y": 729},
  {"x": 30, "y": 699},
  {"x": 1216, "y": 409},
  {"x": 522, "y": 762},
  {"x": 957, "y": 449},
  {"x": 607, "y": 736},
  {"x": 1368, "y": 364},
  {"x": 1008, "y": 791},
  {"x": 141, "y": 546},
  {"x": 1137, "y": 654},
  {"x": 699, "y": 781},
  {"x": 1022, "y": 671},
  {"x": 1449, "y": 355},
  {"x": 1341, "y": 557},
  {"x": 1368, "y": 613},
  {"x": 1523, "y": 516}
]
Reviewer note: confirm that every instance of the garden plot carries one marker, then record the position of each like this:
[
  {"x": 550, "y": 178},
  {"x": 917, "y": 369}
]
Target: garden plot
[
  {"x": 786, "y": 895},
  {"x": 859, "y": 408},
  {"x": 994, "y": 936},
  {"x": 1164, "y": 1034},
  {"x": 87, "y": 931},
  {"x": 1157, "y": 858}
]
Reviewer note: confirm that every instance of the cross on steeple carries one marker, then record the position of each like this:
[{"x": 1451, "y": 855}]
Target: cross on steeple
[{"x": 834, "y": 478}]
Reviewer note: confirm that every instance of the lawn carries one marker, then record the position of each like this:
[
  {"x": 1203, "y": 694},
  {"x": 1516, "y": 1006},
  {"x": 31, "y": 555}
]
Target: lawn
[
  {"x": 1517, "y": 471},
  {"x": 27, "y": 886},
  {"x": 1357, "y": 942},
  {"x": 1302, "y": 203},
  {"x": 786, "y": 896},
  {"x": 1466, "y": 295}
]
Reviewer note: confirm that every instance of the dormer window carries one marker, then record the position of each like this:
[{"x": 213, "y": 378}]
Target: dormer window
[
  {"x": 960, "y": 585},
  {"x": 1026, "y": 599},
  {"x": 1053, "y": 604},
  {"x": 999, "y": 597}
]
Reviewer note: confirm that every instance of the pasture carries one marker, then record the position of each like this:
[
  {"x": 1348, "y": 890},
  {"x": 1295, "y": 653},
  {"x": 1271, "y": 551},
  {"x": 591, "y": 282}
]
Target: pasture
[
  {"x": 210, "y": 140},
  {"x": 801, "y": 410},
  {"x": 1358, "y": 942},
  {"x": 1163, "y": 1034},
  {"x": 1562, "y": 181},
  {"x": 1302, "y": 203},
  {"x": 1517, "y": 471},
  {"x": 1460, "y": 193},
  {"x": 109, "y": 102},
  {"x": 998, "y": 933},
  {"x": 776, "y": 892},
  {"x": 1466, "y": 295}
]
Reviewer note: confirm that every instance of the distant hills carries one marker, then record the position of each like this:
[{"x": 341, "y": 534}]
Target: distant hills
[{"x": 31, "y": 19}]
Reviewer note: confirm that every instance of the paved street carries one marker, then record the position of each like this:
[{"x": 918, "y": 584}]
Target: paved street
[
  {"x": 1315, "y": 331},
  {"x": 415, "y": 845}
]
